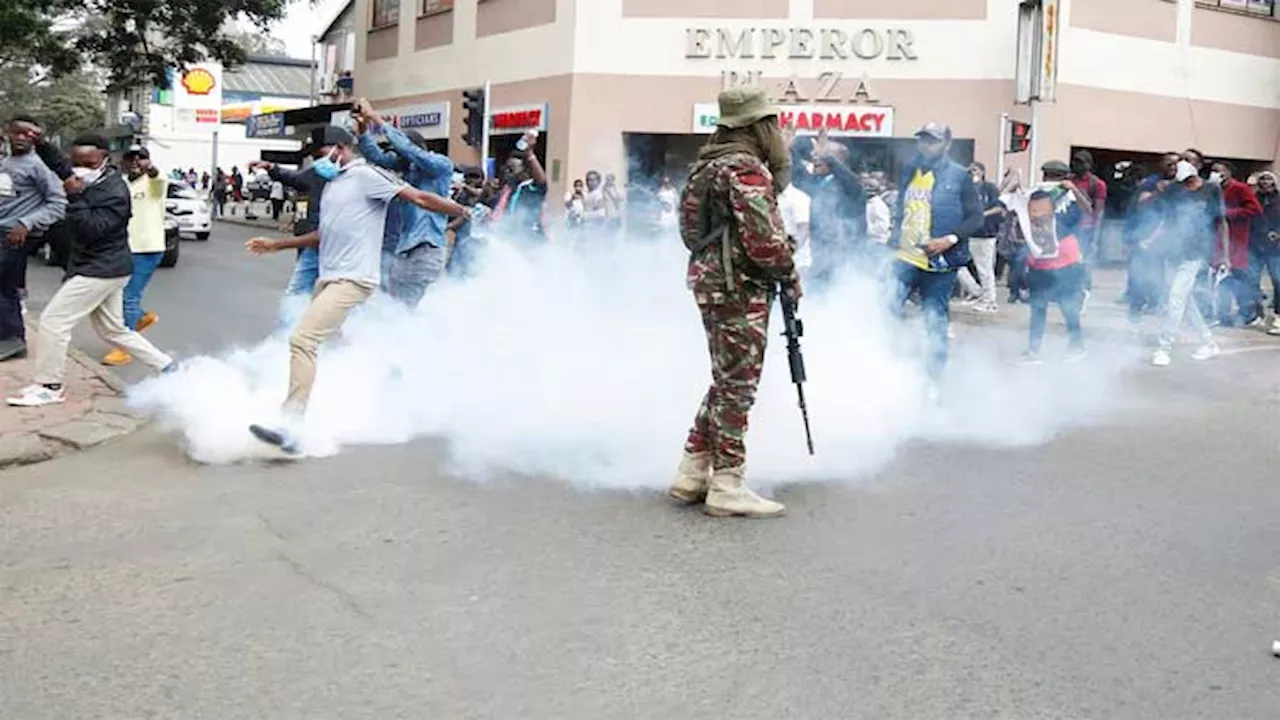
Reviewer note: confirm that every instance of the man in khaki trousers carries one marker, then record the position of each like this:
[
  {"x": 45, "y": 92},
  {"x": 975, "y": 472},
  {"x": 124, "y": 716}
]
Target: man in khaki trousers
[
  {"x": 98, "y": 269},
  {"x": 352, "y": 217}
]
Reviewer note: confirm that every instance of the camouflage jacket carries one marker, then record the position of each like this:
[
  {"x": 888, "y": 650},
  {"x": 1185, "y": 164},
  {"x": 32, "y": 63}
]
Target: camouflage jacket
[{"x": 755, "y": 252}]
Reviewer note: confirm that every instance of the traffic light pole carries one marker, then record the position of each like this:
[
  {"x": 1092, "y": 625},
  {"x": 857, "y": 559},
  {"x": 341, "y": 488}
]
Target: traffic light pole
[
  {"x": 484, "y": 134},
  {"x": 1001, "y": 146},
  {"x": 1033, "y": 161}
]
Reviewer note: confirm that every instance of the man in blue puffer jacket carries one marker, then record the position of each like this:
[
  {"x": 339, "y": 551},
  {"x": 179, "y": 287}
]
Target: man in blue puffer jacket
[{"x": 938, "y": 210}]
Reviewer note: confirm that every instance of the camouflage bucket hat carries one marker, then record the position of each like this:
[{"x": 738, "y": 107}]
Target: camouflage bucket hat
[{"x": 742, "y": 106}]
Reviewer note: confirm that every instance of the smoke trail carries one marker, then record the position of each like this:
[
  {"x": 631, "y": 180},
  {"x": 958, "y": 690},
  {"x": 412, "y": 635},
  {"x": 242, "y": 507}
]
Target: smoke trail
[{"x": 588, "y": 365}]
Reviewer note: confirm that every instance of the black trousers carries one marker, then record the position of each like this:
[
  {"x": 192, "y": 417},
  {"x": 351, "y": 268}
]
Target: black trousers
[{"x": 13, "y": 278}]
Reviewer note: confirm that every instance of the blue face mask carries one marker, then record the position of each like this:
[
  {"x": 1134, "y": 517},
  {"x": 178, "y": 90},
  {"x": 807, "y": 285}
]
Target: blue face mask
[{"x": 326, "y": 168}]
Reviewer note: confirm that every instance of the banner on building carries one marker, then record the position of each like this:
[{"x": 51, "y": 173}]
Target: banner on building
[
  {"x": 266, "y": 125},
  {"x": 837, "y": 120},
  {"x": 197, "y": 98}
]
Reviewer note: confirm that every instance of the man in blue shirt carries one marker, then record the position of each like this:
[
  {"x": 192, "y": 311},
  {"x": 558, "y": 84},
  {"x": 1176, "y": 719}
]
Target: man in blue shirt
[{"x": 420, "y": 249}]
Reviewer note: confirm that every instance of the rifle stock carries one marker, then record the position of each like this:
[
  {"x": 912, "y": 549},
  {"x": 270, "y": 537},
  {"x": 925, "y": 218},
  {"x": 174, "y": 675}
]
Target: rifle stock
[{"x": 793, "y": 330}]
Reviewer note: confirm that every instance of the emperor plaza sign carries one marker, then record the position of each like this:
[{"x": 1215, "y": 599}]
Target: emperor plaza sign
[{"x": 839, "y": 121}]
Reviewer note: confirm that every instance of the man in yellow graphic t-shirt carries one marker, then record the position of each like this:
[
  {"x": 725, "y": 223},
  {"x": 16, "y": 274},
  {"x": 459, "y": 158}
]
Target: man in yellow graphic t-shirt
[
  {"x": 147, "y": 190},
  {"x": 917, "y": 219},
  {"x": 938, "y": 210}
]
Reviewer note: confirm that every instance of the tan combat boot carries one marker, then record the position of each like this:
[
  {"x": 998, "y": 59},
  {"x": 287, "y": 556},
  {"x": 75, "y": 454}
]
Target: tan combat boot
[
  {"x": 728, "y": 496},
  {"x": 690, "y": 485}
]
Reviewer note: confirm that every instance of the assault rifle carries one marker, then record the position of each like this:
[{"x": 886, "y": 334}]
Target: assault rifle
[{"x": 793, "y": 330}]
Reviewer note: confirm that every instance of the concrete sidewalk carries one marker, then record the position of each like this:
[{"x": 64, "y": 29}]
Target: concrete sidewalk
[{"x": 93, "y": 413}]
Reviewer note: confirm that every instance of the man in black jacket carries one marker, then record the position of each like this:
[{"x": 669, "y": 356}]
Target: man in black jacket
[
  {"x": 307, "y": 268},
  {"x": 98, "y": 268}
]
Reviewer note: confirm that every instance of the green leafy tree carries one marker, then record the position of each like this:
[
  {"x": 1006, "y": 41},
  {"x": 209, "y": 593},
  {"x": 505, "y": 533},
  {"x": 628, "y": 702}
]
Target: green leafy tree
[
  {"x": 65, "y": 104},
  {"x": 132, "y": 42}
]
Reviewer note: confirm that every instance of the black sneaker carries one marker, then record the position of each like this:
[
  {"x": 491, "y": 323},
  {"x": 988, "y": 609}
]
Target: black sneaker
[{"x": 275, "y": 437}]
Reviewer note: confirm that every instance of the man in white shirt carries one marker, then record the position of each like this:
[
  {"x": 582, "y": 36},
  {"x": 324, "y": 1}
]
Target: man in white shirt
[
  {"x": 794, "y": 205},
  {"x": 277, "y": 199},
  {"x": 147, "y": 190}
]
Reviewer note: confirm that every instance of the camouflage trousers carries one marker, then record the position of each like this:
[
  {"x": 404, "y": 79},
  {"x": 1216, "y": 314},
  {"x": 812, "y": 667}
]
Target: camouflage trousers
[{"x": 737, "y": 333}]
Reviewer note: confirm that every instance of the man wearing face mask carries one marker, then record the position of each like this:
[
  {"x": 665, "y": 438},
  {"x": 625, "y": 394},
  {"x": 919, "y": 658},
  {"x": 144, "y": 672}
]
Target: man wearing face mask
[
  {"x": 739, "y": 254},
  {"x": 938, "y": 210},
  {"x": 1196, "y": 222},
  {"x": 419, "y": 254},
  {"x": 31, "y": 198},
  {"x": 1241, "y": 285},
  {"x": 98, "y": 269},
  {"x": 352, "y": 219}
]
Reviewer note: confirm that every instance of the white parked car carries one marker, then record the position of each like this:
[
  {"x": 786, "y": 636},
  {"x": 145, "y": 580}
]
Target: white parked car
[{"x": 189, "y": 209}]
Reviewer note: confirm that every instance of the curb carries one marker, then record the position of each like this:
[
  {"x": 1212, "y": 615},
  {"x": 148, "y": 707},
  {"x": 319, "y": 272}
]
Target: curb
[
  {"x": 109, "y": 418},
  {"x": 268, "y": 225},
  {"x": 96, "y": 369}
]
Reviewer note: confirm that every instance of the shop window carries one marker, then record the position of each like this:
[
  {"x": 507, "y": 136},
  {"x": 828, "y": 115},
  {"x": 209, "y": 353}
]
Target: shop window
[
  {"x": 385, "y": 13},
  {"x": 435, "y": 7},
  {"x": 1262, "y": 8}
]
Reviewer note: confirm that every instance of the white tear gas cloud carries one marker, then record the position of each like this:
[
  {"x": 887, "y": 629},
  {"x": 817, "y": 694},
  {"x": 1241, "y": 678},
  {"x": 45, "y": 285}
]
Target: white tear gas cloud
[{"x": 588, "y": 365}]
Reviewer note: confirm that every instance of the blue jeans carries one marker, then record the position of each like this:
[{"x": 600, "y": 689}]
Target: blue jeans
[
  {"x": 144, "y": 266},
  {"x": 935, "y": 295},
  {"x": 1268, "y": 262},
  {"x": 1065, "y": 287},
  {"x": 463, "y": 257},
  {"x": 306, "y": 271},
  {"x": 413, "y": 272}
]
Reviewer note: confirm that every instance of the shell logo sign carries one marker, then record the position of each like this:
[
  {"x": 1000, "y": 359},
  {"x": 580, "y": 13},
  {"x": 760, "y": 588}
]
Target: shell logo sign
[{"x": 198, "y": 82}]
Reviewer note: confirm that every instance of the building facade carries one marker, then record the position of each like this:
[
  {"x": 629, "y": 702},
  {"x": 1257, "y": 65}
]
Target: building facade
[{"x": 629, "y": 86}]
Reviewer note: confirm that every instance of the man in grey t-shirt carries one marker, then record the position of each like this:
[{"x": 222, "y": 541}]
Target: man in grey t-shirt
[
  {"x": 31, "y": 198},
  {"x": 353, "y": 213}
]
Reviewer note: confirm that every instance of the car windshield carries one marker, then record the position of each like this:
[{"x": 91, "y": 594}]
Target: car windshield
[{"x": 182, "y": 191}]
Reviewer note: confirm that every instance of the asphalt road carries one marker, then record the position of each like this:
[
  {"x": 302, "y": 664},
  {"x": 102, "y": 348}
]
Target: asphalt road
[{"x": 1125, "y": 570}]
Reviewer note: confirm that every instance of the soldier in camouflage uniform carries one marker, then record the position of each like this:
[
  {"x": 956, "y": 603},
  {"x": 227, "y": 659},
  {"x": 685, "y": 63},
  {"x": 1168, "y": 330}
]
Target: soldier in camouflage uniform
[{"x": 739, "y": 253}]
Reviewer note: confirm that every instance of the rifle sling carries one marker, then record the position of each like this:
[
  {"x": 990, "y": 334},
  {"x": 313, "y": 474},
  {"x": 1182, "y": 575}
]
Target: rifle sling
[{"x": 712, "y": 234}]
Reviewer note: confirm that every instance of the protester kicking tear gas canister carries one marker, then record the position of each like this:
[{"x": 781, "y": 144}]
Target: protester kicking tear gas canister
[{"x": 739, "y": 252}]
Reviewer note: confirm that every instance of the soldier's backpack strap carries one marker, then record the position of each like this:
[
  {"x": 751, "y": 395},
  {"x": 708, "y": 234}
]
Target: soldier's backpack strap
[{"x": 714, "y": 228}]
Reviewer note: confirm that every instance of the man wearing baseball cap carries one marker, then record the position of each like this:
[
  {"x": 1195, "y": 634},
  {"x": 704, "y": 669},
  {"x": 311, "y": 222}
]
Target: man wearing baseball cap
[
  {"x": 1197, "y": 221},
  {"x": 352, "y": 220},
  {"x": 938, "y": 210},
  {"x": 146, "y": 241}
]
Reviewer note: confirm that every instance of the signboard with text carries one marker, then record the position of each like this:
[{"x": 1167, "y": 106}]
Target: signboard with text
[
  {"x": 266, "y": 125},
  {"x": 197, "y": 98},
  {"x": 429, "y": 119},
  {"x": 518, "y": 119},
  {"x": 838, "y": 120}
]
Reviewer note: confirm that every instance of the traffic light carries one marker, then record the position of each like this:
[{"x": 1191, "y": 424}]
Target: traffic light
[
  {"x": 1019, "y": 136},
  {"x": 473, "y": 101}
]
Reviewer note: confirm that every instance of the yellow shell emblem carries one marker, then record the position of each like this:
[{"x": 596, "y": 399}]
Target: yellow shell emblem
[{"x": 198, "y": 81}]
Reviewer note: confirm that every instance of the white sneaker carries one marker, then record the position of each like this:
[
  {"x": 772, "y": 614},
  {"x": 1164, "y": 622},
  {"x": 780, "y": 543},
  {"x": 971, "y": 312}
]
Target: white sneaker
[
  {"x": 1275, "y": 326},
  {"x": 38, "y": 396},
  {"x": 1206, "y": 351},
  {"x": 1162, "y": 358},
  {"x": 1076, "y": 355}
]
